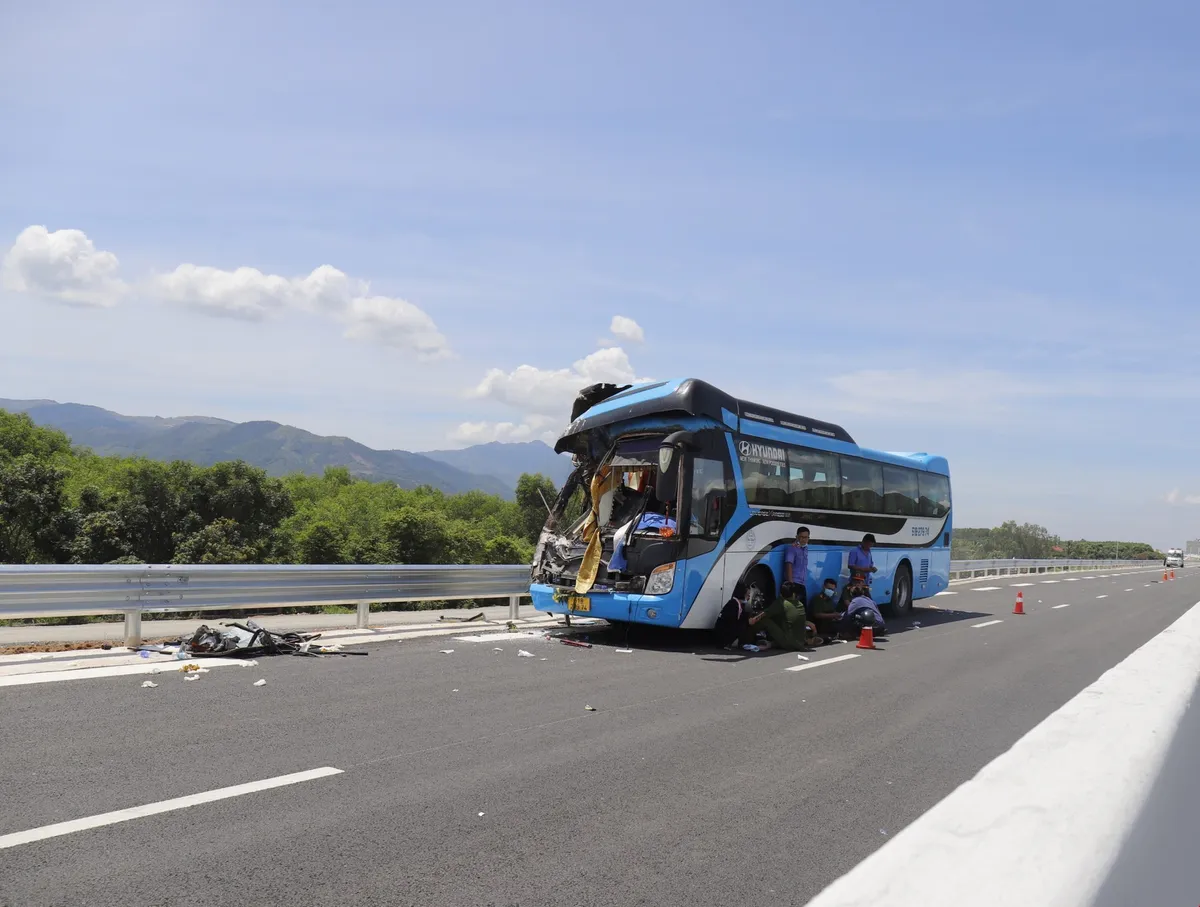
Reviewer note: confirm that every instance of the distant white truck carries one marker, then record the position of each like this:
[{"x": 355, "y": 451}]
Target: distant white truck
[{"x": 1174, "y": 558}]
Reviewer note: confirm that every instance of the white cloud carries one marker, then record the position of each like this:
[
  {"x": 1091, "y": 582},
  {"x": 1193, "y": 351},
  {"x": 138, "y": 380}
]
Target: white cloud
[
  {"x": 534, "y": 428},
  {"x": 62, "y": 266},
  {"x": 549, "y": 392},
  {"x": 250, "y": 294},
  {"x": 627, "y": 329},
  {"x": 397, "y": 323},
  {"x": 1174, "y": 498},
  {"x": 543, "y": 396}
]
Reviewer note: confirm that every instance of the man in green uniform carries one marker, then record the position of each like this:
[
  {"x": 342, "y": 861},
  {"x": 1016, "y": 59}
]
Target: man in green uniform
[{"x": 785, "y": 622}]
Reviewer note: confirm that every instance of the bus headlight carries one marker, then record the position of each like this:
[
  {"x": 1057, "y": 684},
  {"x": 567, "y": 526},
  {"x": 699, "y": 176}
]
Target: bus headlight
[{"x": 662, "y": 580}]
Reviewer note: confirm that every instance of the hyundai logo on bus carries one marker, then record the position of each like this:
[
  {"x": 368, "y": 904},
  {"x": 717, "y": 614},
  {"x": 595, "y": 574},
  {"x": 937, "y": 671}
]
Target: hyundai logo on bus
[{"x": 761, "y": 452}]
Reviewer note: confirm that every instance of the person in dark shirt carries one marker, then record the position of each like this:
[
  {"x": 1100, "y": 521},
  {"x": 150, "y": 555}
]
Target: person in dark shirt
[
  {"x": 733, "y": 625},
  {"x": 823, "y": 611}
]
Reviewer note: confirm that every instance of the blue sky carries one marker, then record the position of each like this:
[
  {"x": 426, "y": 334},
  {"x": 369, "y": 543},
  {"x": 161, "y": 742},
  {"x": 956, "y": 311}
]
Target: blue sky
[{"x": 958, "y": 227}]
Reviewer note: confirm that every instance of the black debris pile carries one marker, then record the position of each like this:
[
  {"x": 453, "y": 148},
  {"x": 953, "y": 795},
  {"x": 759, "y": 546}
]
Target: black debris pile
[{"x": 248, "y": 640}]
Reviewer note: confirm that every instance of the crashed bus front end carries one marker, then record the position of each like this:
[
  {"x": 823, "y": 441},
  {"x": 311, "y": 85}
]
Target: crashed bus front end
[{"x": 614, "y": 542}]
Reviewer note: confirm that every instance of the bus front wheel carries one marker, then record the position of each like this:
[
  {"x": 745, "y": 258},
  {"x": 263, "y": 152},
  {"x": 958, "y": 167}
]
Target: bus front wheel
[
  {"x": 902, "y": 590},
  {"x": 760, "y": 589}
]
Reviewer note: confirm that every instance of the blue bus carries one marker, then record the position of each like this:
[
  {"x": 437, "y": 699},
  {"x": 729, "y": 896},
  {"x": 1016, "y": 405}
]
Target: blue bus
[{"x": 687, "y": 490}]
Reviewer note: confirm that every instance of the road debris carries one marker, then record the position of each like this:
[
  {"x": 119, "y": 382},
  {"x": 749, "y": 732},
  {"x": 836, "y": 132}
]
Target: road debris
[
  {"x": 590, "y": 708},
  {"x": 523, "y": 654},
  {"x": 478, "y": 615},
  {"x": 192, "y": 677},
  {"x": 447, "y": 651},
  {"x": 624, "y": 651},
  {"x": 260, "y": 683},
  {"x": 576, "y": 643},
  {"x": 802, "y": 657},
  {"x": 148, "y": 684},
  {"x": 235, "y": 640}
]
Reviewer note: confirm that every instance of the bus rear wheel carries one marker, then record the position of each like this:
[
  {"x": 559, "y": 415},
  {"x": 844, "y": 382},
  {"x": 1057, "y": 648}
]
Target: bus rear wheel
[{"x": 902, "y": 591}]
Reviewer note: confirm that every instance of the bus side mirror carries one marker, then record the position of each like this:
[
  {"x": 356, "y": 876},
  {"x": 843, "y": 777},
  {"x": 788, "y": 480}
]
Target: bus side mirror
[{"x": 669, "y": 454}]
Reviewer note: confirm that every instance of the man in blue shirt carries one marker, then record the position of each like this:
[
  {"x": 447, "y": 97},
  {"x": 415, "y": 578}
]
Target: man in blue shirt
[
  {"x": 862, "y": 565},
  {"x": 795, "y": 564}
]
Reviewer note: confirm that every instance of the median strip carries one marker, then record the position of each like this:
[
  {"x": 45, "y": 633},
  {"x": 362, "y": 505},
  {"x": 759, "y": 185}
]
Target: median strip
[{"x": 16, "y": 839}]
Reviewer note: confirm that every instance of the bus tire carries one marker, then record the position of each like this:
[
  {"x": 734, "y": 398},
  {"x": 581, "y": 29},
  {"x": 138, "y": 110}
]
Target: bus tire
[
  {"x": 760, "y": 588},
  {"x": 902, "y": 591}
]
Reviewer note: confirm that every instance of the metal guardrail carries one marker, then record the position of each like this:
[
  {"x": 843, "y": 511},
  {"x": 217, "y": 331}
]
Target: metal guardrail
[
  {"x": 1013, "y": 567},
  {"x": 62, "y": 591}
]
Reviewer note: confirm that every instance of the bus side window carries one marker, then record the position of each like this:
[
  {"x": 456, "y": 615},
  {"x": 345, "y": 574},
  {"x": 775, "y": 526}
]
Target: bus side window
[
  {"x": 710, "y": 503},
  {"x": 813, "y": 479},
  {"x": 935, "y": 494}
]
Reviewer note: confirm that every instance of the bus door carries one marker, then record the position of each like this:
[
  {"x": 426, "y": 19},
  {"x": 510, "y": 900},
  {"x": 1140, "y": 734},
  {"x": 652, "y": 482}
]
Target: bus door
[{"x": 711, "y": 500}]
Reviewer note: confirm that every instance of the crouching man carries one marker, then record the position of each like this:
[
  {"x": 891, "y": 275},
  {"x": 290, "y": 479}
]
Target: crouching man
[
  {"x": 824, "y": 611},
  {"x": 785, "y": 622}
]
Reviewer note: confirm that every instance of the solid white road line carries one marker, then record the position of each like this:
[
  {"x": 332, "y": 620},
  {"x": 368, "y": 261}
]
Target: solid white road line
[
  {"x": 16, "y": 839},
  {"x": 1050, "y": 582},
  {"x": 1056, "y": 607},
  {"x": 987, "y": 623},
  {"x": 1073, "y": 579},
  {"x": 1018, "y": 585},
  {"x": 1059, "y": 804},
  {"x": 146, "y": 667},
  {"x": 986, "y": 589},
  {"x": 824, "y": 661}
]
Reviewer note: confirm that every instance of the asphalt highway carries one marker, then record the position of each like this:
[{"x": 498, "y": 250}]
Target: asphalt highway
[{"x": 480, "y": 777}]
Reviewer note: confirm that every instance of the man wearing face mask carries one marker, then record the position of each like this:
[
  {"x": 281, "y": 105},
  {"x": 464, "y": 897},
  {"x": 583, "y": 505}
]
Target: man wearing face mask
[
  {"x": 795, "y": 565},
  {"x": 824, "y": 611}
]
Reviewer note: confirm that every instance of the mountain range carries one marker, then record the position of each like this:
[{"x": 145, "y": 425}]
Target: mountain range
[{"x": 280, "y": 449}]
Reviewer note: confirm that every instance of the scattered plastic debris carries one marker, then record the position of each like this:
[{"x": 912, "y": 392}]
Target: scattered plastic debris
[
  {"x": 192, "y": 677},
  {"x": 624, "y": 651},
  {"x": 143, "y": 654},
  {"x": 447, "y": 651},
  {"x": 189, "y": 668},
  {"x": 481, "y": 815},
  {"x": 454, "y": 690},
  {"x": 590, "y": 708},
  {"x": 260, "y": 683},
  {"x": 148, "y": 684},
  {"x": 234, "y": 640},
  {"x": 523, "y": 654},
  {"x": 882, "y": 832},
  {"x": 497, "y": 649},
  {"x": 802, "y": 657},
  {"x": 751, "y": 648}
]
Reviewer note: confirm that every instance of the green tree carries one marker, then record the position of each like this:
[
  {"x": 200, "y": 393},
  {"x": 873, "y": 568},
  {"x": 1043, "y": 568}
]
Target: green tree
[
  {"x": 36, "y": 524},
  {"x": 220, "y": 542},
  {"x": 321, "y": 543},
  {"x": 534, "y": 493},
  {"x": 414, "y": 536}
]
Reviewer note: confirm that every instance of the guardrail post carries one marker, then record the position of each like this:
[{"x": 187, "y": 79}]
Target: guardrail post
[
  {"x": 514, "y": 607},
  {"x": 133, "y": 629},
  {"x": 364, "y": 615}
]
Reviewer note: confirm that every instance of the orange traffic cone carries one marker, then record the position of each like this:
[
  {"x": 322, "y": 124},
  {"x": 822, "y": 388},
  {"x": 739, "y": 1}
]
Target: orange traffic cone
[
  {"x": 1172, "y": 574},
  {"x": 866, "y": 639},
  {"x": 1164, "y": 576},
  {"x": 1020, "y": 606}
]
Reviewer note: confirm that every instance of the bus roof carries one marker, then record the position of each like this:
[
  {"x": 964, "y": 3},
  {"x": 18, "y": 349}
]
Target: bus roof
[{"x": 691, "y": 397}]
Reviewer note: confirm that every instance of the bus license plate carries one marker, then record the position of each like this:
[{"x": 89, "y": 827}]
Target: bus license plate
[{"x": 578, "y": 603}]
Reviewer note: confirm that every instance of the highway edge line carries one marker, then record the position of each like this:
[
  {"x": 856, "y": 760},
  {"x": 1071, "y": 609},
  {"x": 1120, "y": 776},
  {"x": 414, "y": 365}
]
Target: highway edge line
[{"x": 1058, "y": 804}]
